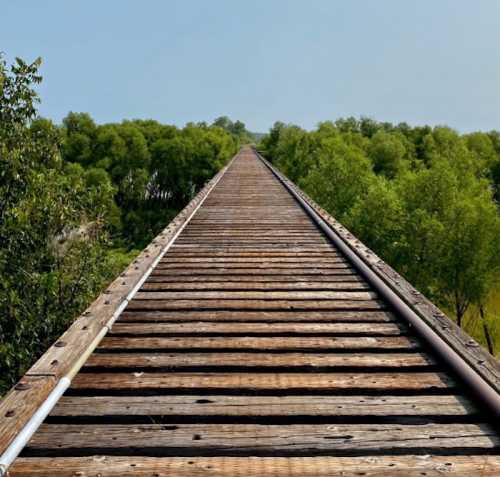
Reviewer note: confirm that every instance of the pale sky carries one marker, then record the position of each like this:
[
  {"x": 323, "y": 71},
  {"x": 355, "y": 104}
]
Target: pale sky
[{"x": 420, "y": 61}]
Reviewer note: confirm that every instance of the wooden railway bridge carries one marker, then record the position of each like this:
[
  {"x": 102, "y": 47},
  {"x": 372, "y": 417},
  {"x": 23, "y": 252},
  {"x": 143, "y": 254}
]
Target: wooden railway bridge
[{"x": 254, "y": 338}]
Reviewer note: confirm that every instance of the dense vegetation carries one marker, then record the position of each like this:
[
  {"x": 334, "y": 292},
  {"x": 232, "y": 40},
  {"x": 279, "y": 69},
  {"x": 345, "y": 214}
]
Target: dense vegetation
[
  {"x": 424, "y": 199},
  {"x": 77, "y": 201}
]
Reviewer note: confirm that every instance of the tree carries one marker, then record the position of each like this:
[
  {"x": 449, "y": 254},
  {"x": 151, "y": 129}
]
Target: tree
[
  {"x": 51, "y": 236},
  {"x": 377, "y": 219},
  {"x": 388, "y": 154},
  {"x": 340, "y": 174},
  {"x": 80, "y": 131}
]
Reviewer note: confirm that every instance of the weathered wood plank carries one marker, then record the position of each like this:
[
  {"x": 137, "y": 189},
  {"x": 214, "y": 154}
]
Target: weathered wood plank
[
  {"x": 255, "y": 316},
  {"x": 388, "y": 329},
  {"x": 211, "y": 261},
  {"x": 260, "y": 343},
  {"x": 184, "y": 285},
  {"x": 256, "y": 295},
  {"x": 248, "y": 280},
  {"x": 315, "y": 360},
  {"x": 262, "y": 439},
  {"x": 336, "y": 269},
  {"x": 372, "y": 466},
  {"x": 385, "y": 382},
  {"x": 239, "y": 305},
  {"x": 216, "y": 405}
]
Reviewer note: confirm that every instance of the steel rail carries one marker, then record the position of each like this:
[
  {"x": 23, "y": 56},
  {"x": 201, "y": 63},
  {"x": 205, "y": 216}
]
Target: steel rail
[{"x": 481, "y": 389}]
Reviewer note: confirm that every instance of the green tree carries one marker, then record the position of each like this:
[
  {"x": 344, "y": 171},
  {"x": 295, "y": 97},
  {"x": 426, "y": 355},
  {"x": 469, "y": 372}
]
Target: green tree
[
  {"x": 388, "y": 154},
  {"x": 340, "y": 174},
  {"x": 51, "y": 252}
]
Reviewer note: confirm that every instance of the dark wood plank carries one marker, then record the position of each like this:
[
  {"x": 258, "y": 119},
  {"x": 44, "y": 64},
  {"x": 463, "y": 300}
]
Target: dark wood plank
[
  {"x": 256, "y": 316},
  {"x": 261, "y": 439},
  {"x": 216, "y": 405}
]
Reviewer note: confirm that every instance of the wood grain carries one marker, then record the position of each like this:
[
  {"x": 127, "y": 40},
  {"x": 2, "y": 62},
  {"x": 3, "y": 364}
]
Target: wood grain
[
  {"x": 271, "y": 381},
  {"x": 235, "y": 439},
  {"x": 372, "y": 466}
]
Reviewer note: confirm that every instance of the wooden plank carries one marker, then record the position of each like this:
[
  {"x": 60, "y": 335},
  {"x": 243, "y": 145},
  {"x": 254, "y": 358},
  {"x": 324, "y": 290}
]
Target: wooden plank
[
  {"x": 250, "y": 263},
  {"x": 372, "y": 466},
  {"x": 256, "y": 295},
  {"x": 20, "y": 403},
  {"x": 239, "y": 305},
  {"x": 261, "y": 343},
  {"x": 234, "y": 439},
  {"x": 215, "y": 250},
  {"x": 258, "y": 268},
  {"x": 178, "y": 285},
  {"x": 208, "y": 261},
  {"x": 299, "y": 271},
  {"x": 314, "y": 360},
  {"x": 217, "y": 405},
  {"x": 385, "y": 382},
  {"x": 388, "y": 329},
  {"x": 256, "y": 279},
  {"x": 370, "y": 316}
]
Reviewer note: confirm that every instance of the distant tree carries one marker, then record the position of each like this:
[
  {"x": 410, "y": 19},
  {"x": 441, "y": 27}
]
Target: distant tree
[
  {"x": 80, "y": 136},
  {"x": 388, "y": 154}
]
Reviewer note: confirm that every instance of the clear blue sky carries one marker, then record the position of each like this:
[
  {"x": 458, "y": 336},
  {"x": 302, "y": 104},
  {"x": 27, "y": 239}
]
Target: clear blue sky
[{"x": 420, "y": 61}]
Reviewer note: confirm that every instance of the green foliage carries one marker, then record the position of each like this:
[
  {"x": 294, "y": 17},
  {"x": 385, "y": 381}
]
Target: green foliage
[
  {"x": 423, "y": 198},
  {"x": 51, "y": 257},
  {"x": 77, "y": 202}
]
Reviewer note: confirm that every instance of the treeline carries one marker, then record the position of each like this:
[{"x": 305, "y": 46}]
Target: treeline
[
  {"x": 424, "y": 199},
  {"x": 77, "y": 201},
  {"x": 153, "y": 169}
]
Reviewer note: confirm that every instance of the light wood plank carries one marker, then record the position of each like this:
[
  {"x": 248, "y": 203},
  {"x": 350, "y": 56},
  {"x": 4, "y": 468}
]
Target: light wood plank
[
  {"x": 372, "y": 466},
  {"x": 274, "y": 381}
]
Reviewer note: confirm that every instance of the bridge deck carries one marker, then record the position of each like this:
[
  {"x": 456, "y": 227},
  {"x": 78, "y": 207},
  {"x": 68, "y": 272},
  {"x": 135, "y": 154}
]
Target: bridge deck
[{"x": 255, "y": 349}]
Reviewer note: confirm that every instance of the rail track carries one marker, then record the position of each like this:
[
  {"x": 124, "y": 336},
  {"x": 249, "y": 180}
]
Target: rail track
[{"x": 243, "y": 342}]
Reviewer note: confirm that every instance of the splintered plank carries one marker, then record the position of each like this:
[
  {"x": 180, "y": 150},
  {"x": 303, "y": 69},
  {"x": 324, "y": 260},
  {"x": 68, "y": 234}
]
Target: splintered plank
[
  {"x": 389, "y": 329},
  {"x": 260, "y": 343},
  {"x": 256, "y": 295},
  {"x": 371, "y": 466},
  {"x": 314, "y": 360},
  {"x": 256, "y": 316},
  {"x": 237, "y": 439},
  {"x": 256, "y": 304},
  {"x": 208, "y": 405},
  {"x": 269, "y": 381}
]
